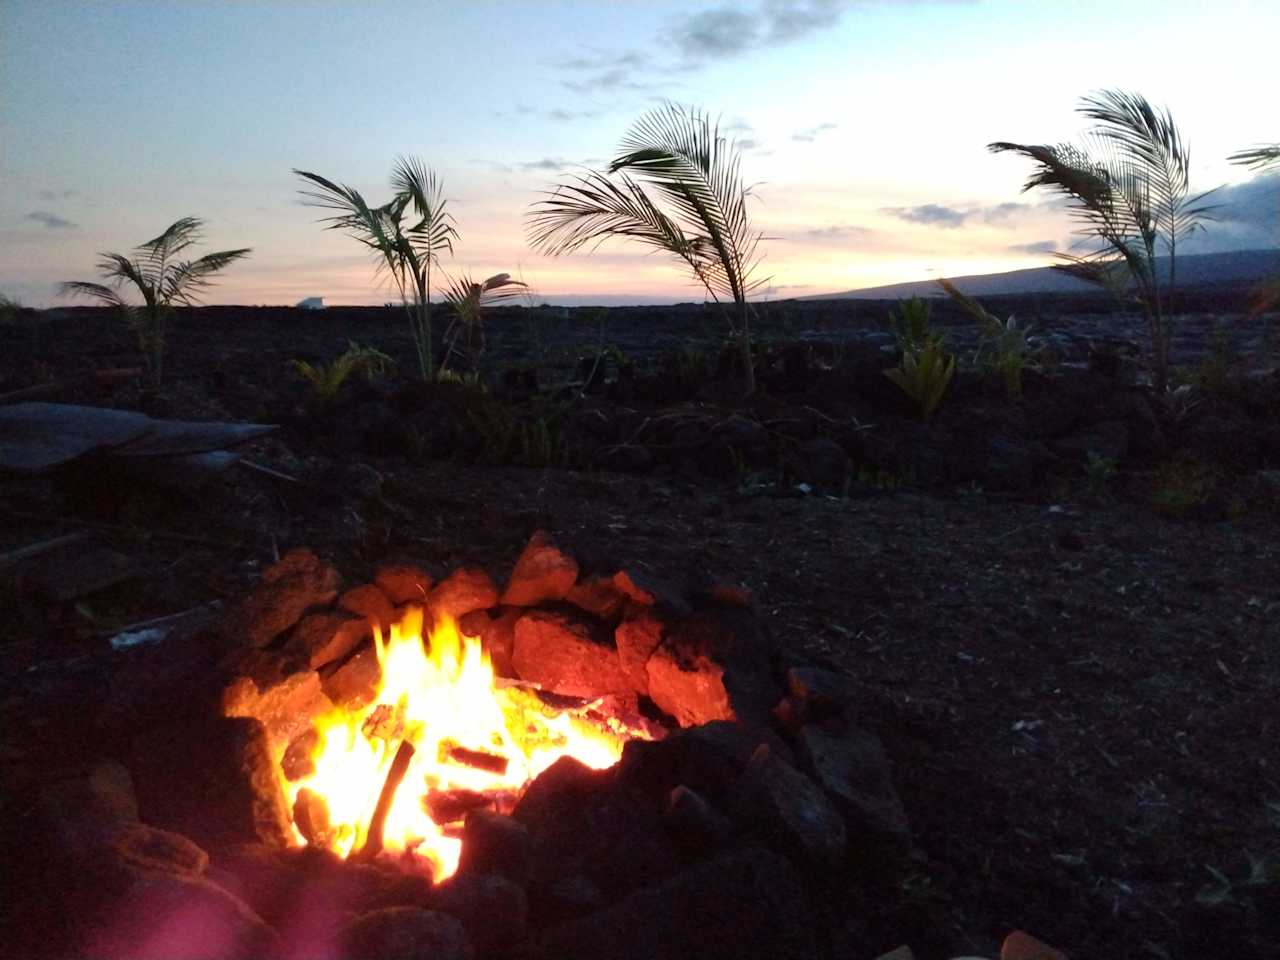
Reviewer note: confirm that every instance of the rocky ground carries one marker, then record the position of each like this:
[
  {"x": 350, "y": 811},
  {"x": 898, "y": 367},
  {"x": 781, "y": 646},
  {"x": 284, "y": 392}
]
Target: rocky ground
[{"x": 1074, "y": 683}]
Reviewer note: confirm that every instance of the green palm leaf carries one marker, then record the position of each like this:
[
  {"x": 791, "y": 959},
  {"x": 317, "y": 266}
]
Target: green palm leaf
[{"x": 697, "y": 210}]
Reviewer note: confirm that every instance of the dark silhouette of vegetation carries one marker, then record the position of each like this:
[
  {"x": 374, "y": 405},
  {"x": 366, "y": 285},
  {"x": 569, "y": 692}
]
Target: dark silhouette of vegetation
[
  {"x": 697, "y": 211},
  {"x": 1130, "y": 186},
  {"x": 161, "y": 279},
  {"x": 465, "y": 336},
  {"x": 406, "y": 250}
]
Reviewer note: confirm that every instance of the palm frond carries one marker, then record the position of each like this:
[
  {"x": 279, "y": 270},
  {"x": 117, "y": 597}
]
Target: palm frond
[
  {"x": 1149, "y": 140},
  {"x": 108, "y": 295},
  {"x": 682, "y": 154},
  {"x": 1262, "y": 157},
  {"x": 182, "y": 282},
  {"x": 593, "y": 209},
  {"x": 378, "y": 228},
  {"x": 415, "y": 182}
]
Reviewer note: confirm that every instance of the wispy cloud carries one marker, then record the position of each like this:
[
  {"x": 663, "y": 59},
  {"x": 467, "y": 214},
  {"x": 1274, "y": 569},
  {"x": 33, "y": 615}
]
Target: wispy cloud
[
  {"x": 1038, "y": 247},
  {"x": 546, "y": 163},
  {"x": 1004, "y": 211},
  {"x": 58, "y": 194},
  {"x": 843, "y": 233},
  {"x": 812, "y": 133},
  {"x": 50, "y": 220},
  {"x": 613, "y": 80},
  {"x": 950, "y": 217},
  {"x": 930, "y": 214},
  {"x": 568, "y": 116},
  {"x": 728, "y": 31}
]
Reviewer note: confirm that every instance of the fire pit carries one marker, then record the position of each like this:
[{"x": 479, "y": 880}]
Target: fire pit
[
  {"x": 584, "y": 763},
  {"x": 442, "y": 737}
]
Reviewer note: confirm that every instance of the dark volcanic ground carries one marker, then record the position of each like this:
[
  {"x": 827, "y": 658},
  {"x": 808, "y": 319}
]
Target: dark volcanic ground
[{"x": 1078, "y": 696}]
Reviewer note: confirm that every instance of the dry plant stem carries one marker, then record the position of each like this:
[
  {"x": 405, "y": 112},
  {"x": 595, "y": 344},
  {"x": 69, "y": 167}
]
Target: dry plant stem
[{"x": 399, "y": 767}]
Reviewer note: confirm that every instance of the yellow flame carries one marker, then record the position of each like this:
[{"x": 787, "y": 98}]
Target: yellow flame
[{"x": 437, "y": 696}]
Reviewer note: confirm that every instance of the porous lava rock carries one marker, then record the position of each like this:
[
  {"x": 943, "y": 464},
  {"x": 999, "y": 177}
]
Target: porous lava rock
[
  {"x": 212, "y": 779},
  {"x": 542, "y": 572},
  {"x": 403, "y": 583},
  {"x": 370, "y": 602},
  {"x": 747, "y": 903},
  {"x": 170, "y": 916},
  {"x": 404, "y": 932},
  {"x": 793, "y": 812},
  {"x": 496, "y": 630},
  {"x": 354, "y": 682},
  {"x": 322, "y": 638},
  {"x": 712, "y": 666},
  {"x": 564, "y": 651},
  {"x": 496, "y": 844},
  {"x": 636, "y": 640},
  {"x": 284, "y": 704},
  {"x": 289, "y": 589},
  {"x": 464, "y": 590},
  {"x": 493, "y": 910},
  {"x": 852, "y": 768}
]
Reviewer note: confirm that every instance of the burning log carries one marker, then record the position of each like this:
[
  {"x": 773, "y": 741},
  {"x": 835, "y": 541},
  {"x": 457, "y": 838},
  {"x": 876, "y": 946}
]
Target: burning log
[
  {"x": 476, "y": 759},
  {"x": 448, "y": 806},
  {"x": 298, "y": 761},
  {"x": 311, "y": 817},
  {"x": 399, "y": 767}
]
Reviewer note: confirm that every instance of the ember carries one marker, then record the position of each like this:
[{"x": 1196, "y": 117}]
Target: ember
[{"x": 439, "y": 739}]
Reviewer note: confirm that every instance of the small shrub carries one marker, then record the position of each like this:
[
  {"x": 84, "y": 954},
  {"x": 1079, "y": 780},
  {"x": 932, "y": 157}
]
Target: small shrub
[
  {"x": 327, "y": 381},
  {"x": 910, "y": 325},
  {"x": 1008, "y": 343},
  {"x": 924, "y": 376}
]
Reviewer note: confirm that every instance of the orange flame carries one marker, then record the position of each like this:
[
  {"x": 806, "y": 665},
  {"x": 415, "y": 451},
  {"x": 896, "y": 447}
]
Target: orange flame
[{"x": 440, "y": 697}]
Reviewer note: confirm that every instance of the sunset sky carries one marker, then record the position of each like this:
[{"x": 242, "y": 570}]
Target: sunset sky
[{"x": 864, "y": 125}]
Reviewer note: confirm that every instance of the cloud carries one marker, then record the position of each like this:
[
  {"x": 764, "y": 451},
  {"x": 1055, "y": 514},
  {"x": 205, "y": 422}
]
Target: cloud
[
  {"x": 50, "y": 220},
  {"x": 568, "y": 116},
  {"x": 1038, "y": 247},
  {"x": 598, "y": 60},
  {"x": 812, "y": 133},
  {"x": 936, "y": 214},
  {"x": 1003, "y": 211},
  {"x": 58, "y": 194},
  {"x": 834, "y": 234},
  {"x": 747, "y": 143},
  {"x": 930, "y": 214},
  {"x": 1247, "y": 217},
  {"x": 546, "y": 163},
  {"x": 727, "y": 31},
  {"x": 611, "y": 80}
]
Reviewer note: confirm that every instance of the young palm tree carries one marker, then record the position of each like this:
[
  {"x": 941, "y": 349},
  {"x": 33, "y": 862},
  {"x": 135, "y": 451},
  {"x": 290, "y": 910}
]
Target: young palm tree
[
  {"x": 405, "y": 250},
  {"x": 470, "y": 300},
  {"x": 161, "y": 279},
  {"x": 697, "y": 213},
  {"x": 1130, "y": 186}
]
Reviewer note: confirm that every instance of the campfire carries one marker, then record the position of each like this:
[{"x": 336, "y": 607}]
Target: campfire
[
  {"x": 442, "y": 737},
  {"x": 597, "y": 762}
]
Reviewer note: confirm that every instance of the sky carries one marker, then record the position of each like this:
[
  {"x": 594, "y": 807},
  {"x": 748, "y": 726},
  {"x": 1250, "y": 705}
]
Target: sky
[{"x": 863, "y": 128}]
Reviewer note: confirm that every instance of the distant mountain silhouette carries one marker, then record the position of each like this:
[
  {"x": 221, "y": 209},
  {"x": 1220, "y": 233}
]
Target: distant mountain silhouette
[{"x": 1239, "y": 267}]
